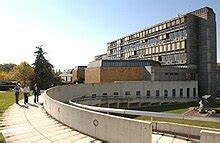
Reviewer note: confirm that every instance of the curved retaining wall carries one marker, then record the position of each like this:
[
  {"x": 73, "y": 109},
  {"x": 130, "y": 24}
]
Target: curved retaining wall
[{"x": 102, "y": 126}]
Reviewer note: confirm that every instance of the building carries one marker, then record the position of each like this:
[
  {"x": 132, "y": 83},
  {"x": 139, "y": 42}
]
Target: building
[
  {"x": 66, "y": 76},
  {"x": 188, "y": 41},
  {"x": 102, "y": 71},
  {"x": 78, "y": 73}
]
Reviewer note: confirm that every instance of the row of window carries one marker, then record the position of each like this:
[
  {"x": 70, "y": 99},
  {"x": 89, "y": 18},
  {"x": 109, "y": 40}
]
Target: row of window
[
  {"x": 158, "y": 93},
  {"x": 144, "y": 33}
]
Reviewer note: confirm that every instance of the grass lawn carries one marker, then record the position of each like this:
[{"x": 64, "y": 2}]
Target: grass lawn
[
  {"x": 6, "y": 99},
  {"x": 171, "y": 108},
  {"x": 180, "y": 121}
]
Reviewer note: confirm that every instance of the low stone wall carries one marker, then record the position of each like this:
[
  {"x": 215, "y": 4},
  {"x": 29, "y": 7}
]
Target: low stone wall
[
  {"x": 209, "y": 137},
  {"x": 102, "y": 126},
  {"x": 180, "y": 129}
]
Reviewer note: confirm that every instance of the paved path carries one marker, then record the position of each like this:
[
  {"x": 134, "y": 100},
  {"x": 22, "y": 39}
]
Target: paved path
[{"x": 31, "y": 123}]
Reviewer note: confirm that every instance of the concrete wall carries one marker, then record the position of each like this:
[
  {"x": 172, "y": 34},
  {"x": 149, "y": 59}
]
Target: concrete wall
[
  {"x": 185, "y": 130},
  {"x": 71, "y": 91},
  {"x": 209, "y": 137},
  {"x": 111, "y": 74},
  {"x": 102, "y": 126}
]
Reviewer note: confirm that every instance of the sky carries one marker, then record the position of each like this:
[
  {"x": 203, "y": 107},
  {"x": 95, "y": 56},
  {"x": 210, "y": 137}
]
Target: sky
[{"x": 72, "y": 32}]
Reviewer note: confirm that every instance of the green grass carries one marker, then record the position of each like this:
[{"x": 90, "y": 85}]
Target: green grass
[
  {"x": 181, "y": 121},
  {"x": 176, "y": 109},
  {"x": 172, "y": 108},
  {"x": 6, "y": 99}
]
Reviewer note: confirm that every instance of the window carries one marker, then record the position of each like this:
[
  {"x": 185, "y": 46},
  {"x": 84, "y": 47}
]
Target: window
[
  {"x": 194, "y": 92},
  {"x": 148, "y": 93},
  {"x": 173, "y": 93},
  {"x": 165, "y": 93},
  {"x": 168, "y": 24},
  {"x": 127, "y": 93},
  {"x": 104, "y": 93},
  {"x": 173, "y": 46},
  {"x": 182, "y": 44},
  {"x": 115, "y": 93},
  {"x": 182, "y": 20},
  {"x": 157, "y": 28},
  {"x": 93, "y": 95},
  {"x": 178, "y": 45},
  {"x": 177, "y": 21},
  {"x": 157, "y": 93},
  {"x": 188, "y": 93},
  {"x": 173, "y": 23},
  {"x": 164, "y": 26},
  {"x": 138, "y": 93},
  {"x": 181, "y": 92}
]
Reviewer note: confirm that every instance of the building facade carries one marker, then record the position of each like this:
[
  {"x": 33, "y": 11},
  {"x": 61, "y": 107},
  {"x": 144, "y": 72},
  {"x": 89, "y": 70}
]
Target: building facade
[
  {"x": 188, "y": 41},
  {"x": 78, "y": 73}
]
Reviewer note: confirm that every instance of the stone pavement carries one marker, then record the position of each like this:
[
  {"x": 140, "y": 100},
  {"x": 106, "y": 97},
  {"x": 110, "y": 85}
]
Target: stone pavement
[{"x": 30, "y": 123}]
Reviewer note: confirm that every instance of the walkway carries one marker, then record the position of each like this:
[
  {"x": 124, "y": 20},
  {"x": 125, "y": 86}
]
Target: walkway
[{"x": 31, "y": 123}]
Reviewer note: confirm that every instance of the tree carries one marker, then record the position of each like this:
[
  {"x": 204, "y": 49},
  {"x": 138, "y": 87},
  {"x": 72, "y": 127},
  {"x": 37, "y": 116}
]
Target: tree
[
  {"x": 7, "y": 67},
  {"x": 43, "y": 70},
  {"x": 23, "y": 72}
]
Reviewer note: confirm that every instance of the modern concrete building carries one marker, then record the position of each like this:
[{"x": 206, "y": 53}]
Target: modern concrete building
[
  {"x": 102, "y": 71},
  {"x": 66, "y": 76},
  {"x": 78, "y": 73},
  {"x": 188, "y": 41},
  {"x": 117, "y": 70}
]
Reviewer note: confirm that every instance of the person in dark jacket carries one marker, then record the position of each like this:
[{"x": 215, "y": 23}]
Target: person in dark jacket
[
  {"x": 36, "y": 92},
  {"x": 17, "y": 90}
]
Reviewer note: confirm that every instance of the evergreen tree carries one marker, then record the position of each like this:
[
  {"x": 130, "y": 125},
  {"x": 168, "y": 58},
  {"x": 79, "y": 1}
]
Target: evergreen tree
[{"x": 43, "y": 70}]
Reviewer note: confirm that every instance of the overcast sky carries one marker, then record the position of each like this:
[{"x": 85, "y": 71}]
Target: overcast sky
[{"x": 72, "y": 32}]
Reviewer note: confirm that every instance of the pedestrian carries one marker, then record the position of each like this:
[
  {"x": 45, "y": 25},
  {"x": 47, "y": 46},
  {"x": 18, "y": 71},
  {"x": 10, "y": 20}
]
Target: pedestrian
[
  {"x": 36, "y": 92},
  {"x": 17, "y": 90},
  {"x": 26, "y": 91}
]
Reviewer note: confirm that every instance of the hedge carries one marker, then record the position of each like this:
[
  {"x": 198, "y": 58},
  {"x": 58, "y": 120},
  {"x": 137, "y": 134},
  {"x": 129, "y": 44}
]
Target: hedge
[{"x": 6, "y": 87}]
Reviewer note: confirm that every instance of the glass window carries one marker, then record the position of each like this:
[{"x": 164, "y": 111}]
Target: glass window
[
  {"x": 165, "y": 93},
  {"x": 157, "y": 93},
  {"x": 173, "y": 93},
  {"x": 115, "y": 93},
  {"x": 104, "y": 93},
  {"x": 182, "y": 44},
  {"x": 164, "y": 26},
  {"x": 168, "y": 24},
  {"x": 138, "y": 93},
  {"x": 148, "y": 94},
  {"x": 177, "y": 21},
  {"x": 178, "y": 45},
  {"x": 168, "y": 47},
  {"x": 194, "y": 92},
  {"x": 153, "y": 29},
  {"x": 181, "y": 92},
  {"x": 127, "y": 93},
  {"x": 188, "y": 93},
  {"x": 173, "y": 46},
  {"x": 160, "y": 27},
  {"x": 173, "y": 23},
  {"x": 182, "y": 20},
  {"x": 93, "y": 95}
]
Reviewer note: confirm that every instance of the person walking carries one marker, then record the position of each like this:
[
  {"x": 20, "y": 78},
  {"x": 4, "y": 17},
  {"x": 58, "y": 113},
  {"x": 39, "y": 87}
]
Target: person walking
[
  {"x": 26, "y": 91},
  {"x": 17, "y": 89},
  {"x": 36, "y": 92}
]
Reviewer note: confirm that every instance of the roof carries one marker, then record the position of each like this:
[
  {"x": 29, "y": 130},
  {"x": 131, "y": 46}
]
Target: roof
[{"x": 123, "y": 63}]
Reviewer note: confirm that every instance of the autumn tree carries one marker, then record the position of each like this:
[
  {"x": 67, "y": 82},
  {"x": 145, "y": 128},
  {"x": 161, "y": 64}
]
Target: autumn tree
[
  {"x": 43, "y": 70},
  {"x": 23, "y": 72}
]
